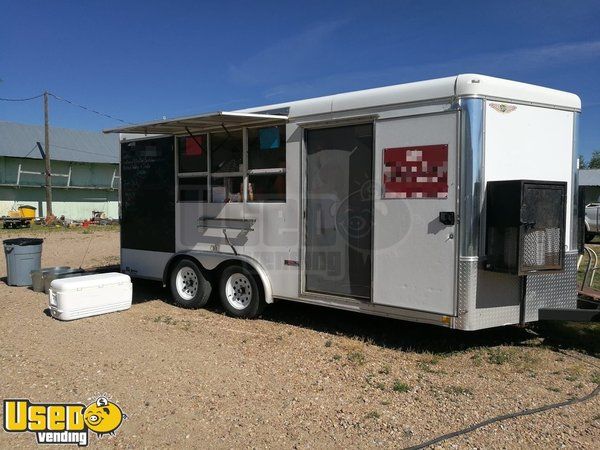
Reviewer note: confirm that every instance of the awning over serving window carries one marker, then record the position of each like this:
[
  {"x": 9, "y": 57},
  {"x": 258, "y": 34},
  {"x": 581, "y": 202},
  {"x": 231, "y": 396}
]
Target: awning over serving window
[{"x": 201, "y": 123}]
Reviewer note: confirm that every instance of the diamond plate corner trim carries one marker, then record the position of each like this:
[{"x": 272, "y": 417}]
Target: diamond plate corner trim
[
  {"x": 552, "y": 290},
  {"x": 467, "y": 290}
]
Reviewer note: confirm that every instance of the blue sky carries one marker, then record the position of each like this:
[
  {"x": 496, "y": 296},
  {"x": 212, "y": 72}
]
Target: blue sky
[{"x": 142, "y": 60}]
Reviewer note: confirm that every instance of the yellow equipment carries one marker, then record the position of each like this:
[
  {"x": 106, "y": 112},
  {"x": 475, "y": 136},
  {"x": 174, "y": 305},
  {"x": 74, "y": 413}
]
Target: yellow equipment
[{"x": 27, "y": 212}]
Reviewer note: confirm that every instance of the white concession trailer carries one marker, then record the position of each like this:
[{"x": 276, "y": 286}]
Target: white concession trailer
[{"x": 450, "y": 201}]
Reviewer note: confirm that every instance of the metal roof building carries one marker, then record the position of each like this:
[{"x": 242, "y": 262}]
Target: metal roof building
[
  {"x": 84, "y": 164},
  {"x": 589, "y": 181},
  {"x": 19, "y": 141},
  {"x": 589, "y": 177}
]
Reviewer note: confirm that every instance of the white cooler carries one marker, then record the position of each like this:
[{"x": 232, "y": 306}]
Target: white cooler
[{"x": 89, "y": 295}]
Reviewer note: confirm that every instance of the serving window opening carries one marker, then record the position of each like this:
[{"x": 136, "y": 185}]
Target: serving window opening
[
  {"x": 214, "y": 167},
  {"x": 193, "y": 154},
  {"x": 266, "y": 164}
]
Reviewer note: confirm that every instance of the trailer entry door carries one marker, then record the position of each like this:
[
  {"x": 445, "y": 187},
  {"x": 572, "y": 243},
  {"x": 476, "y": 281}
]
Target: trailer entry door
[
  {"x": 339, "y": 205},
  {"x": 414, "y": 247}
]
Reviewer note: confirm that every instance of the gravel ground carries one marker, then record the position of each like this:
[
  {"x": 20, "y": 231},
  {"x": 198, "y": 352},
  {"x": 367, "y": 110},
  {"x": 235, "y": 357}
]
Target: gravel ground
[{"x": 300, "y": 376}]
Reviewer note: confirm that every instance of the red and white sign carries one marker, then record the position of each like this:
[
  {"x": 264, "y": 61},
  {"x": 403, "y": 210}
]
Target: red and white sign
[{"x": 415, "y": 172}]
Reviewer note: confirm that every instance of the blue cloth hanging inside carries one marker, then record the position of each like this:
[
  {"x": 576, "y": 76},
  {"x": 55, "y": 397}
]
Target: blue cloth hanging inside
[{"x": 269, "y": 138}]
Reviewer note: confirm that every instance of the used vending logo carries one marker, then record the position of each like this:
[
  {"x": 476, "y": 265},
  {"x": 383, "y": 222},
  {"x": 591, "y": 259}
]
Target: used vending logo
[{"x": 62, "y": 423}]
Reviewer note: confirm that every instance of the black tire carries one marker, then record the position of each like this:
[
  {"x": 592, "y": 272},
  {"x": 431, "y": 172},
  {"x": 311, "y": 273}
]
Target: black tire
[
  {"x": 589, "y": 237},
  {"x": 198, "y": 287},
  {"x": 249, "y": 300}
]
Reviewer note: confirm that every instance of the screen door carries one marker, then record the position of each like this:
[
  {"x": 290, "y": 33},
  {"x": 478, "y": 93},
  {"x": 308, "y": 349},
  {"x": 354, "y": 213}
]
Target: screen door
[{"x": 339, "y": 210}]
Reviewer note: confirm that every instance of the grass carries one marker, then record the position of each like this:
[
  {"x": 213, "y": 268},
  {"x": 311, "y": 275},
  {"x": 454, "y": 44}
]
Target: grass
[
  {"x": 595, "y": 378},
  {"x": 477, "y": 358},
  {"x": 432, "y": 360},
  {"x": 372, "y": 415},
  {"x": 400, "y": 386},
  {"x": 426, "y": 364},
  {"x": 371, "y": 382},
  {"x": 522, "y": 359},
  {"x": 583, "y": 337},
  {"x": 573, "y": 373},
  {"x": 458, "y": 390},
  {"x": 168, "y": 320},
  {"x": 185, "y": 325},
  {"x": 40, "y": 229},
  {"x": 583, "y": 265},
  {"x": 499, "y": 356},
  {"x": 426, "y": 367},
  {"x": 385, "y": 370},
  {"x": 356, "y": 357}
]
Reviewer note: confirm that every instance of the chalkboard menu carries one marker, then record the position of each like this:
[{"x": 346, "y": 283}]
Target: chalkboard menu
[{"x": 148, "y": 195}]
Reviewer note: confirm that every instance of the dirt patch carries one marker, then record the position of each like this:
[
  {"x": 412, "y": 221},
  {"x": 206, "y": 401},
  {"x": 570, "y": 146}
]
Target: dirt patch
[{"x": 300, "y": 376}]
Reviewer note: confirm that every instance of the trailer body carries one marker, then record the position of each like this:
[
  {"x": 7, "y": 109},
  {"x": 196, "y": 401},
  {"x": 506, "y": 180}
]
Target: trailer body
[{"x": 372, "y": 201}]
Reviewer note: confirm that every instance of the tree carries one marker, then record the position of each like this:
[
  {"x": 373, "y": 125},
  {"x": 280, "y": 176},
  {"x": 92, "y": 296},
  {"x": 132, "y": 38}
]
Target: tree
[
  {"x": 582, "y": 163},
  {"x": 594, "y": 160}
]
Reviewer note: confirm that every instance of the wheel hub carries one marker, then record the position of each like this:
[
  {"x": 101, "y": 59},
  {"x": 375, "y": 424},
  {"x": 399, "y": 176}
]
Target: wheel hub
[
  {"x": 186, "y": 283},
  {"x": 238, "y": 291}
]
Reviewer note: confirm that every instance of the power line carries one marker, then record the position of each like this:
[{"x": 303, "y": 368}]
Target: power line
[
  {"x": 89, "y": 109},
  {"x": 30, "y": 151},
  {"x": 66, "y": 101},
  {"x": 76, "y": 150},
  {"x": 80, "y": 151},
  {"x": 21, "y": 99}
]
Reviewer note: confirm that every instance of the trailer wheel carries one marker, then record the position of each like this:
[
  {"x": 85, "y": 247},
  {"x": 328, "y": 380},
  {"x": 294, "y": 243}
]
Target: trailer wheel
[
  {"x": 189, "y": 287},
  {"x": 589, "y": 237},
  {"x": 240, "y": 293}
]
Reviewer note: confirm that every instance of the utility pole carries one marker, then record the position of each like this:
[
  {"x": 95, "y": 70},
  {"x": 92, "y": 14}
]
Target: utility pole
[{"x": 47, "y": 158}]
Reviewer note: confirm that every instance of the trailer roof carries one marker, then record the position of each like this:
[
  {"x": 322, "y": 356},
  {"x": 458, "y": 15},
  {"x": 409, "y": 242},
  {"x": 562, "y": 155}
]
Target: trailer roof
[
  {"x": 201, "y": 123},
  {"x": 465, "y": 85}
]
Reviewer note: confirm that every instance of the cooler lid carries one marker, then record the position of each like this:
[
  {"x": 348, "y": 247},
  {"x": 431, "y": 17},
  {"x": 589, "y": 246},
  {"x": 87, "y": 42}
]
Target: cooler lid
[{"x": 89, "y": 281}]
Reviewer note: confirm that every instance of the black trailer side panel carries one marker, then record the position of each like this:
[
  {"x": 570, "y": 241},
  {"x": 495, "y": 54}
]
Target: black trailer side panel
[{"x": 148, "y": 195}]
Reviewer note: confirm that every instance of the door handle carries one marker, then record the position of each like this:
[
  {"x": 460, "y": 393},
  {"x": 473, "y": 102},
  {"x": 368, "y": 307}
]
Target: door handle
[{"x": 447, "y": 217}]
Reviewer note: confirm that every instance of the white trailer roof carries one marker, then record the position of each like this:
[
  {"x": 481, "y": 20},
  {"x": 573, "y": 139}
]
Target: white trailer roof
[{"x": 466, "y": 85}]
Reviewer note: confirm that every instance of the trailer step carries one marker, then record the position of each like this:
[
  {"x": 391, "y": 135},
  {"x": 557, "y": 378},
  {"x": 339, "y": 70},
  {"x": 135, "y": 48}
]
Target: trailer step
[
  {"x": 589, "y": 292},
  {"x": 572, "y": 315}
]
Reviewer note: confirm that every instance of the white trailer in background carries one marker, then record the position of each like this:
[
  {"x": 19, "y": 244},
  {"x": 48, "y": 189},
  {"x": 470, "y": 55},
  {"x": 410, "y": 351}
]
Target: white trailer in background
[{"x": 450, "y": 201}]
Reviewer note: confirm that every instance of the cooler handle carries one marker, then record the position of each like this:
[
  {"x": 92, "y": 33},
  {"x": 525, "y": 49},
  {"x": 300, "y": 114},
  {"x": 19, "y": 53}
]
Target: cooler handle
[{"x": 52, "y": 296}]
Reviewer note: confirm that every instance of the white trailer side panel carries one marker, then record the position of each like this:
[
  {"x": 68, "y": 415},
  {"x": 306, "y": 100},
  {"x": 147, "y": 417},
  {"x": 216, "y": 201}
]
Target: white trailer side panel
[
  {"x": 531, "y": 143},
  {"x": 414, "y": 254},
  {"x": 144, "y": 263}
]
